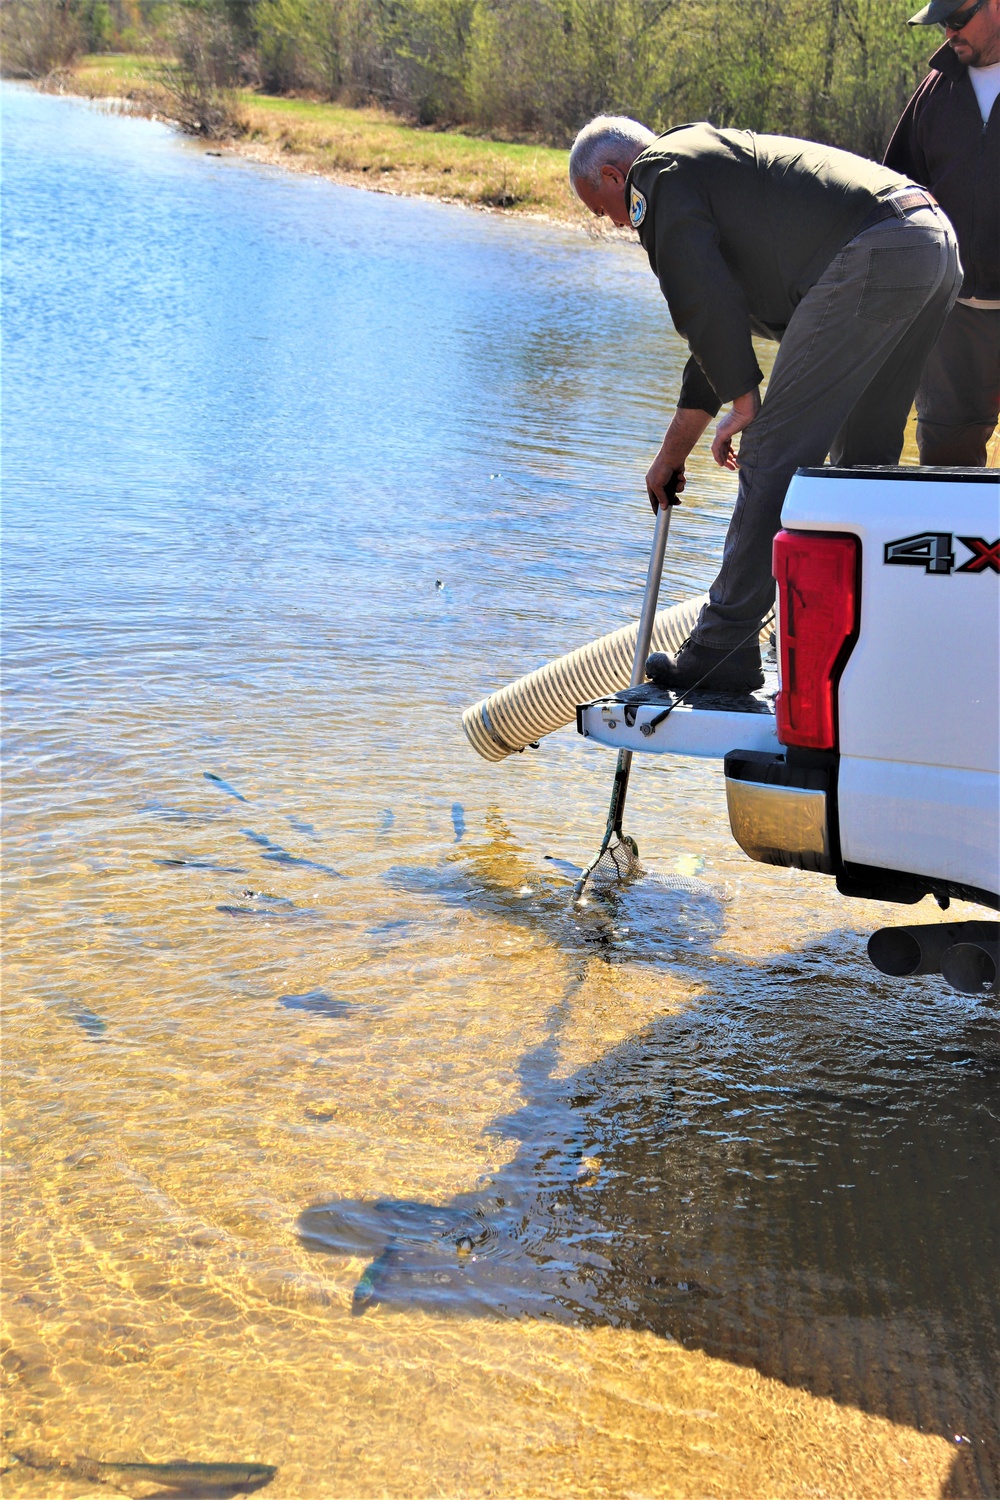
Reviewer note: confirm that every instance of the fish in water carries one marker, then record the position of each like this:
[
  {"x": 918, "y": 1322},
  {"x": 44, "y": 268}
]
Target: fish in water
[
  {"x": 86, "y": 1019},
  {"x": 458, "y": 820},
  {"x": 199, "y": 864},
  {"x": 319, "y": 1002},
  {"x": 405, "y": 1239},
  {"x": 258, "y": 838},
  {"x": 301, "y": 827},
  {"x": 218, "y": 781},
  {"x": 287, "y": 911},
  {"x": 386, "y": 820},
  {"x": 280, "y": 856},
  {"x": 179, "y": 1476}
]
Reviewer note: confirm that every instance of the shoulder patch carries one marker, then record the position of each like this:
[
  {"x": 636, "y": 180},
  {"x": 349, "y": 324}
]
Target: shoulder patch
[{"x": 636, "y": 208}]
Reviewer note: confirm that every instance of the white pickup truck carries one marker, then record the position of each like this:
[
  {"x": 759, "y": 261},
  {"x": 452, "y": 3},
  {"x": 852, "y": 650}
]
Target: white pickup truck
[{"x": 874, "y": 756}]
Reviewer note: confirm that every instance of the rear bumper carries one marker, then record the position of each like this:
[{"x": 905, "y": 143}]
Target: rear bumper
[{"x": 780, "y": 814}]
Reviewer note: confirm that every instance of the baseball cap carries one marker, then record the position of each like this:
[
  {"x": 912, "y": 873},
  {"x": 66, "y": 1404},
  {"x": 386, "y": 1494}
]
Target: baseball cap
[{"x": 936, "y": 13}]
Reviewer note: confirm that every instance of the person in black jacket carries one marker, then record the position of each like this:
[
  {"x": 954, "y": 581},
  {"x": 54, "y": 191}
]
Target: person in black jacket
[
  {"x": 846, "y": 263},
  {"x": 948, "y": 139}
]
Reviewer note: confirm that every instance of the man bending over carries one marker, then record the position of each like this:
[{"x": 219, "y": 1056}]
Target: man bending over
[{"x": 851, "y": 267}]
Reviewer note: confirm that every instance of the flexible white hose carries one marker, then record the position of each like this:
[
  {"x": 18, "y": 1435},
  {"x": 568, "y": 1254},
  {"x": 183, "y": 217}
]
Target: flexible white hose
[{"x": 535, "y": 705}]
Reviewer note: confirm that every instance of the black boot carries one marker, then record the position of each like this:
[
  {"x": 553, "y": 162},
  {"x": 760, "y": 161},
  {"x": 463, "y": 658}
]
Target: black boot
[{"x": 733, "y": 671}]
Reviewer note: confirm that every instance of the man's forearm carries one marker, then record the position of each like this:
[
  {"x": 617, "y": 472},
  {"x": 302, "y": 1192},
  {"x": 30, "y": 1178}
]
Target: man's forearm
[
  {"x": 685, "y": 429},
  {"x": 744, "y": 411}
]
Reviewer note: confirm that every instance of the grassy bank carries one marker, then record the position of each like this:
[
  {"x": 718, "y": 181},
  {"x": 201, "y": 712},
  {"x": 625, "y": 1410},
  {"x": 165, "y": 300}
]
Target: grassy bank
[{"x": 365, "y": 147}]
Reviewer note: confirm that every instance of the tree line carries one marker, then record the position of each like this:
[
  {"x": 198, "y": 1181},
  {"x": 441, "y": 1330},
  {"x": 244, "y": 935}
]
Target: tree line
[{"x": 838, "y": 71}]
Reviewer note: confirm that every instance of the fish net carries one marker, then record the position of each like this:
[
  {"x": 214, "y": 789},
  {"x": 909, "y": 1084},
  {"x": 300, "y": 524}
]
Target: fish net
[
  {"x": 616, "y": 864},
  {"x": 652, "y": 901}
]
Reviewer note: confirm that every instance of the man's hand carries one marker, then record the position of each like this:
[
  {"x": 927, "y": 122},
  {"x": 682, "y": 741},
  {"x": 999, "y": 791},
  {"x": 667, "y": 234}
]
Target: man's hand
[
  {"x": 661, "y": 471},
  {"x": 682, "y": 434},
  {"x": 745, "y": 408}
]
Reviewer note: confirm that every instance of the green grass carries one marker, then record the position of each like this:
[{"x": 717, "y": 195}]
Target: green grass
[
  {"x": 421, "y": 140},
  {"x": 368, "y": 147},
  {"x": 116, "y": 67}
]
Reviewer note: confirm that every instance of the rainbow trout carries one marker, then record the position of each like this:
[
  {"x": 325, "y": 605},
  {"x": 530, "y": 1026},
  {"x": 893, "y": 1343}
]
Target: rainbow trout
[{"x": 180, "y": 1477}]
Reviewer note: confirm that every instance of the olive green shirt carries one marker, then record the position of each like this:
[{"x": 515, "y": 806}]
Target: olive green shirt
[{"x": 737, "y": 228}]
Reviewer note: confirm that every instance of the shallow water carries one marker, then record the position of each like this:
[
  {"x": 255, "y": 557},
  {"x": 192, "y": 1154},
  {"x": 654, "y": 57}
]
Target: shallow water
[{"x": 335, "y": 1140}]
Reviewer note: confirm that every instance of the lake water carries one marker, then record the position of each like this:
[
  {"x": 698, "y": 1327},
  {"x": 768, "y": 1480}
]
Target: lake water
[{"x": 334, "y": 1139}]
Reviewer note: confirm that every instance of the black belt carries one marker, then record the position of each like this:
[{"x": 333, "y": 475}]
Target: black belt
[{"x": 897, "y": 207}]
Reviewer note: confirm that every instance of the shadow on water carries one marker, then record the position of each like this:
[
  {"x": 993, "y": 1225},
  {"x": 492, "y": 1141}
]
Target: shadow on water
[{"x": 799, "y": 1173}]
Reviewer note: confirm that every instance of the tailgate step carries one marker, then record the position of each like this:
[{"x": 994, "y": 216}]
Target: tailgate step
[{"x": 648, "y": 720}]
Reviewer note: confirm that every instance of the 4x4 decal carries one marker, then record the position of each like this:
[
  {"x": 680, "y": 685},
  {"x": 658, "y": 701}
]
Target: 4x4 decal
[
  {"x": 985, "y": 555},
  {"x": 933, "y": 551}
]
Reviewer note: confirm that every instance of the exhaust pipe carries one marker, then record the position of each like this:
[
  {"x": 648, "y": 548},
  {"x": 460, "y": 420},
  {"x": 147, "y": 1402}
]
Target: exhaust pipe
[
  {"x": 905, "y": 951},
  {"x": 971, "y": 967}
]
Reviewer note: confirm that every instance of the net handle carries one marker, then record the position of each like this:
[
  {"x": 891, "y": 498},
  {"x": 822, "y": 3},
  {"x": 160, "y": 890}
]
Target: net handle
[{"x": 654, "y": 573}]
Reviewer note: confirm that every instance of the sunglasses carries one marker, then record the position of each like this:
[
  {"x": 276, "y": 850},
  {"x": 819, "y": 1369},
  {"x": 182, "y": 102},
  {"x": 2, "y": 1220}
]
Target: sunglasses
[{"x": 961, "y": 18}]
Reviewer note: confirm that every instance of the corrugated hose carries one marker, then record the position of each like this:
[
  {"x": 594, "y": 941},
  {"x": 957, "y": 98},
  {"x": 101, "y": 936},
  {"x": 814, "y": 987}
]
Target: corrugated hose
[{"x": 516, "y": 716}]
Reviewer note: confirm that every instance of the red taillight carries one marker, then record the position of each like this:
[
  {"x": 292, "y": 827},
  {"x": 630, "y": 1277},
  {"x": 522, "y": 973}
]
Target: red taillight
[{"x": 817, "y": 577}]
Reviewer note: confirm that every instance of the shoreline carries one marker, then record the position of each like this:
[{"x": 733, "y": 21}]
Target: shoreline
[{"x": 362, "y": 148}]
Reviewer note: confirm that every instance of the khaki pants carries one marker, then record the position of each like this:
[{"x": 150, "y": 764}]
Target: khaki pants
[
  {"x": 958, "y": 399},
  {"x": 843, "y": 383}
]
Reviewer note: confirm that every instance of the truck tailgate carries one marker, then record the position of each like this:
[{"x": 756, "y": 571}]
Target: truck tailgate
[{"x": 648, "y": 721}]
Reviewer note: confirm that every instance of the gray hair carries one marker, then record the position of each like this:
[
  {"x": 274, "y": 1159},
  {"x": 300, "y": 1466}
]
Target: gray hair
[{"x": 612, "y": 140}]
